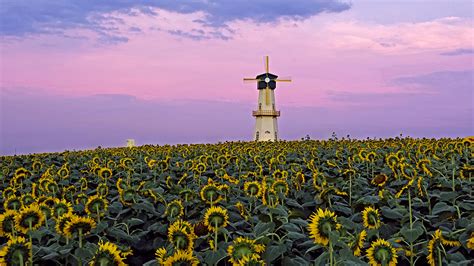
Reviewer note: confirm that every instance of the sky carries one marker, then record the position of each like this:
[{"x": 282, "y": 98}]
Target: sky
[{"x": 81, "y": 74}]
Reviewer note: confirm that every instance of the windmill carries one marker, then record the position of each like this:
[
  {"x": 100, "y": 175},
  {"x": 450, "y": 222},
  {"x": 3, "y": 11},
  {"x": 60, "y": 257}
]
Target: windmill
[{"x": 266, "y": 127}]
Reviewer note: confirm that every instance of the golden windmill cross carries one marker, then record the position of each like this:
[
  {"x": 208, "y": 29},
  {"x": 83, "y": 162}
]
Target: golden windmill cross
[{"x": 267, "y": 80}]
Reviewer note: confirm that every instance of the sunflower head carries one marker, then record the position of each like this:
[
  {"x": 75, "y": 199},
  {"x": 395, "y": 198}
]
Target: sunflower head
[
  {"x": 108, "y": 254},
  {"x": 13, "y": 203},
  {"x": 27, "y": 199},
  {"x": 29, "y": 218},
  {"x": 322, "y": 222},
  {"x": 78, "y": 225},
  {"x": 371, "y": 218},
  {"x": 252, "y": 189},
  {"x": 181, "y": 257},
  {"x": 16, "y": 250},
  {"x": 381, "y": 252},
  {"x": 379, "y": 180},
  {"x": 96, "y": 206},
  {"x": 105, "y": 173},
  {"x": 358, "y": 244},
  {"x": 470, "y": 241},
  {"x": 181, "y": 235},
  {"x": 102, "y": 189},
  {"x": 215, "y": 218},
  {"x": 466, "y": 172},
  {"x": 280, "y": 186},
  {"x": 210, "y": 193},
  {"x": 174, "y": 209},
  {"x": 242, "y": 247},
  {"x": 61, "y": 207},
  {"x": 7, "y": 223}
]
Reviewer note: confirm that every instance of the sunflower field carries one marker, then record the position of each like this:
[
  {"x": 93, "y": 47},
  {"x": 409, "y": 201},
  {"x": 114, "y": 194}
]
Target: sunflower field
[{"x": 398, "y": 201}]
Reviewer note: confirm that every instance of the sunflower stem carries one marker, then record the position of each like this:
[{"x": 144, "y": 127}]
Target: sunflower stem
[
  {"x": 80, "y": 237},
  {"x": 215, "y": 235},
  {"x": 350, "y": 190},
  {"x": 22, "y": 263},
  {"x": 98, "y": 216},
  {"x": 454, "y": 170},
  {"x": 331, "y": 258}
]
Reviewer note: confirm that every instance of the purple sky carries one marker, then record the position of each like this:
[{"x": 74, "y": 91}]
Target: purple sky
[{"x": 77, "y": 75}]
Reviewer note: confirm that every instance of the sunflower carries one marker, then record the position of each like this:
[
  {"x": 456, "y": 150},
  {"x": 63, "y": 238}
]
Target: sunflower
[
  {"x": 422, "y": 165},
  {"x": 408, "y": 171},
  {"x": 27, "y": 199},
  {"x": 108, "y": 254},
  {"x": 174, "y": 209},
  {"x": 83, "y": 183},
  {"x": 434, "y": 245},
  {"x": 200, "y": 167},
  {"x": 61, "y": 223},
  {"x": 127, "y": 196},
  {"x": 392, "y": 160},
  {"x": 466, "y": 172},
  {"x": 13, "y": 203},
  {"x": 359, "y": 244},
  {"x": 81, "y": 198},
  {"x": 470, "y": 241},
  {"x": 160, "y": 255},
  {"x": 322, "y": 222},
  {"x": 181, "y": 257},
  {"x": 216, "y": 217},
  {"x": 78, "y": 225},
  {"x": 105, "y": 173},
  {"x": 47, "y": 211},
  {"x": 61, "y": 207},
  {"x": 252, "y": 260},
  {"x": 210, "y": 193},
  {"x": 243, "y": 247},
  {"x": 381, "y": 252},
  {"x": 102, "y": 189},
  {"x": 371, "y": 218},
  {"x": 29, "y": 218},
  {"x": 448, "y": 241},
  {"x": 7, "y": 223},
  {"x": 252, "y": 189},
  {"x": 8, "y": 192},
  {"x": 371, "y": 156},
  {"x": 96, "y": 205},
  {"x": 240, "y": 206},
  {"x": 277, "y": 174},
  {"x": 17, "y": 251},
  {"x": 181, "y": 235},
  {"x": 280, "y": 186},
  {"x": 379, "y": 180},
  {"x": 63, "y": 172}
]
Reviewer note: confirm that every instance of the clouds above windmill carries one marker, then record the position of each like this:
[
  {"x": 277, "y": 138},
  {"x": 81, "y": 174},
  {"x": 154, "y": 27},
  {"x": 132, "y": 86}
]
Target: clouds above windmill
[{"x": 22, "y": 17}]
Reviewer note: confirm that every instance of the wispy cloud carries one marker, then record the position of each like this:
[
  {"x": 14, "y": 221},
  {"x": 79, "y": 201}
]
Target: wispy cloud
[
  {"x": 22, "y": 17},
  {"x": 460, "y": 51}
]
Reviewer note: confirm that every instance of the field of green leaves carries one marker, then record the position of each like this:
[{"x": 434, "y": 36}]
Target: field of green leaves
[{"x": 398, "y": 201}]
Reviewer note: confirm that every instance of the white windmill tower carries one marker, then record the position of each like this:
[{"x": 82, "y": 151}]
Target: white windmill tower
[{"x": 266, "y": 126}]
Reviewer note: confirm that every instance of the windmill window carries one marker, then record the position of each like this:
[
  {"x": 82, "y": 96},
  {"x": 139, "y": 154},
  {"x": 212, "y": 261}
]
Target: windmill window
[
  {"x": 259, "y": 106},
  {"x": 257, "y": 135}
]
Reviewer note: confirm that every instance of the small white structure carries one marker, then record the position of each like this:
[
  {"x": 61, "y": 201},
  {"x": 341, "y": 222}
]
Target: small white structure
[
  {"x": 266, "y": 126},
  {"x": 130, "y": 143}
]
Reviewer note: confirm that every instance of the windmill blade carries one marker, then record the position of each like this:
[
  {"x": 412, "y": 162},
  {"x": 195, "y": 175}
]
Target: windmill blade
[
  {"x": 267, "y": 67},
  {"x": 284, "y": 79},
  {"x": 248, "y": 80}
]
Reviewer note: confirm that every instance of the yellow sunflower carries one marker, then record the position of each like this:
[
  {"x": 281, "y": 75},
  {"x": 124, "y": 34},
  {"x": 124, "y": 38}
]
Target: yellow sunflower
[
  {"x": 253, "y": 189},
  {"x": 29, "y": 218},
  {"x": 244, "y": 247},
  {"x": 13, "y": 203},
  {"x": 96, "y": 206},
  {"x": 280, "y": 186},
  {"x": 181, "y": 235},
  {"x": 102, "y": 189},
  {"x": 215, "y": 218},
  {"x": 434, "y": 245},
  {"x": 181, "y": 257},
  {"x": 371, "y": 218},
  {"x": 108, "y": 254},
  {"x": 470, "y": 241},
  {"x": 321, "y": 223},
  {"x": 27, "y": 199},
  {"x": 379, "y": 180},
  {"x": 381, "y": 252},
  {"x": 78, "y": 226},
  {"x": 105, "y": 173},
  {"x": 175, "y": 209},
  {"x": 160, "y": 255},
  {"x": 17, "y": 251},
  {"x": 210, "y": 193},
  {"x": 61, "y": 223},
  {"x": 61, "y": 207},
  {"x": 7, "y": 223},
  {"x": 359, "y": 243}
]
